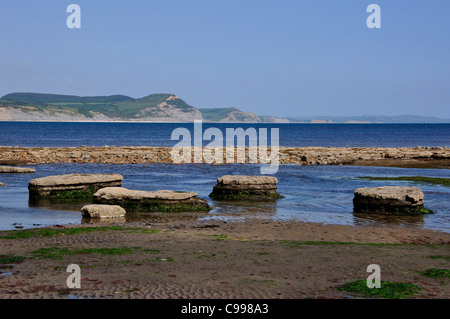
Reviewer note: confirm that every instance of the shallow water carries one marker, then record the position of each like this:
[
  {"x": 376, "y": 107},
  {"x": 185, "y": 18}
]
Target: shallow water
[
  {"x": 5, "y": 273},
  {"x": 320, "y": 194}
]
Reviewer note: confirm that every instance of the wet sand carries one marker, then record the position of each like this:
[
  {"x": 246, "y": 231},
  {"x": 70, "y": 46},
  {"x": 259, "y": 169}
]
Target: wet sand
[{"x": 248, "y": 259}]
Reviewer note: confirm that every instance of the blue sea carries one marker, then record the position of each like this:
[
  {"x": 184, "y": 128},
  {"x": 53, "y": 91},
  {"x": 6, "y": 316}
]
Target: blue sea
[
  {"x": 43, "y": 134},
  {"x": 311, "y": 193}
]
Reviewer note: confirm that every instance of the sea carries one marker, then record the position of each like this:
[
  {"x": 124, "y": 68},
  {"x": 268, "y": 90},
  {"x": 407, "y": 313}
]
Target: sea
[{"x": 321, "y": 194}]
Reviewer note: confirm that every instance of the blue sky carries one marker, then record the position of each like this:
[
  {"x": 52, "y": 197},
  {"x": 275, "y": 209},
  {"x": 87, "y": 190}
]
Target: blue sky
[{"x": 285, "y": 57}]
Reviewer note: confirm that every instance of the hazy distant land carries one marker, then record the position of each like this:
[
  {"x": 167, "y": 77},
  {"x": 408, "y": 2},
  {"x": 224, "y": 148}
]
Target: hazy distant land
[{"x": 160, "y": 107}]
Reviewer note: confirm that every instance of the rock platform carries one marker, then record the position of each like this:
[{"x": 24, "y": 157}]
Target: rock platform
[
  {"x": 389, "y": 200},
  {"x": 16, "y": 170},
  {"x": 416, "y": 157},
  {"x": 245, "y": 187},
  {"x": 71, "y": 185},
  {"x": 102, "y": 211},
  {"x": 146, "y": 201}
]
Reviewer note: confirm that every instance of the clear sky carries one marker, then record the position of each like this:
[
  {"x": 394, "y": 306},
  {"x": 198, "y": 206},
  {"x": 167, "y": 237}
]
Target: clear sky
[{"x": 283, "y": 57}]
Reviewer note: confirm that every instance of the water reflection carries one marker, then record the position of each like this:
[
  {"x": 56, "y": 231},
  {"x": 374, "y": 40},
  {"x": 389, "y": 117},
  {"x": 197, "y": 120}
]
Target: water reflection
[
  {"x": 220, "y": 210},
  {"x": 321, "y": 194},
  {"x": 225, "y": 209},
  {"x": 245, "y": 207},
  {"x": 103, "y": 221},
  {"x": 163, "y": 217},
  {"x": 367, "y": 219},
  {"x": 65, "y": 205}
]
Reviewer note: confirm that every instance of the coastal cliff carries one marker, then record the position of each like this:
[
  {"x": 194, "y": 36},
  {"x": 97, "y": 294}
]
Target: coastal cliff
[
  {"x": 161, "y": 107},
  {"x": 67, "y": 108}
]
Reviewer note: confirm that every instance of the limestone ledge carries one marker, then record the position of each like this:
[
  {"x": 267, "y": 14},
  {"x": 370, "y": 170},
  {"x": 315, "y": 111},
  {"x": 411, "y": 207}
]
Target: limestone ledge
[{"x": 438, "y": 157}]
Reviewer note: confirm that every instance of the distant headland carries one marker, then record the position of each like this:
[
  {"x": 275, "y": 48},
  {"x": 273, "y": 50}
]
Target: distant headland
[{"x": 158, "y": 107}]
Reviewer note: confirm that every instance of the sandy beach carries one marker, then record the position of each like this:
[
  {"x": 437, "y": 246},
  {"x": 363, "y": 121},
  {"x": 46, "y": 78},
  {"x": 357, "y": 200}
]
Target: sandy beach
[{"x": 192, "y": 259}]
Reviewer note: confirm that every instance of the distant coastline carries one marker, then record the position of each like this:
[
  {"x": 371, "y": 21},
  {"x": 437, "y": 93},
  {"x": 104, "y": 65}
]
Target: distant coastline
[{"x": 159, "y": 108}]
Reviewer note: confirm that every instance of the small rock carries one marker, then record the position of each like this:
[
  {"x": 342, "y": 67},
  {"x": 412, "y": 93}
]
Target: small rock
[
  {"x": 245, "y": 187},
  {"x": 395, "y": 200},
  {"x": 102, "y": 211},
  {"x": 16, "y": 170}
]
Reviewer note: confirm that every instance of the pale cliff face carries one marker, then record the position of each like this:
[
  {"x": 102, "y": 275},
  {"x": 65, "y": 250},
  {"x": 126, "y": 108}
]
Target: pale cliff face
[
  {"x": 20, "y": 114},
  {"x": 152, "y": 108},
  {"x": 171, "y": 114},
  {"x": 164, "y": 114},
  {"x": 168, "y": 112},
  {"x": 238, "y": 116}
]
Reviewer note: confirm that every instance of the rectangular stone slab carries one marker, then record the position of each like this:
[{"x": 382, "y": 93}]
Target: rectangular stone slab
[
  {"x": 102, "y": 211},
  {"x": 145, "y": 201},
  {"x": 245, "y": 187},
  {"x": 16, "y": 170},
  {"x": 72, "y": 185},
  {"x": 389, "y": 200},
  {"x": 246, "y": 180}
]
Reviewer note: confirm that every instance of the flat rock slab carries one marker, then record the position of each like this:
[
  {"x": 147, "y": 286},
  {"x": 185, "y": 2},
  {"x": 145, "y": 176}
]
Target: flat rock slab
[
  {"x": 102, "y": 211},
  {"x": 72, "y": 185},
  {"x": 16, "y": 170},
  {"x": 395, "y": 200},
  {"x": 245, "y": 187},
  {"x": 157, "y": 201},
  {"x": 76, "y": 179},
  {"x": 247, "y": 180}
]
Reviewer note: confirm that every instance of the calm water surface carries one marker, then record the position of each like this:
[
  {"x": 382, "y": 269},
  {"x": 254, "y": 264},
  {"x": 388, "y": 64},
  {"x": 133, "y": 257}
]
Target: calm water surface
[
  {"x": 311, "y": 193},
  {"x": 159, "y": 134}
]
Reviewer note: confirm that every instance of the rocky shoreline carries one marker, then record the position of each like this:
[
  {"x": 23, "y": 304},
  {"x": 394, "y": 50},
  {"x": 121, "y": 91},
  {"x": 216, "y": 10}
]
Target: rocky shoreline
[{"x": 418, "y": 157}]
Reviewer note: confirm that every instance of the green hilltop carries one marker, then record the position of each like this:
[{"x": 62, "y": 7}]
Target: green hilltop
[
  {"x": 216, "y": 114},
  {"x": 159, "y": 106},
  {"x": 164, "y": 107},
  {"x": 41, "y": 98},
  {"x": 114, "y": 106}
]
